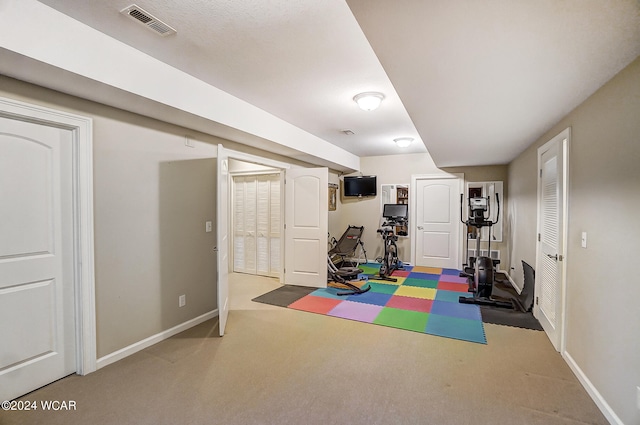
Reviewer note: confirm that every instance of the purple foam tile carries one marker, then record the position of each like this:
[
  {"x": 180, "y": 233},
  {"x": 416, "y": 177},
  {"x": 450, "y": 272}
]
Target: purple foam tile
[
  {"x": 356, "y": 311},
  {"x": 452, "y": 278}
]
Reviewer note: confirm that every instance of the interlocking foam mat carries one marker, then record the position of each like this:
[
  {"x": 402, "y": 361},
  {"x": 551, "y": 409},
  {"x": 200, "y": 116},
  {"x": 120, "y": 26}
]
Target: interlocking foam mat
[{"x": 424, "y": 299}]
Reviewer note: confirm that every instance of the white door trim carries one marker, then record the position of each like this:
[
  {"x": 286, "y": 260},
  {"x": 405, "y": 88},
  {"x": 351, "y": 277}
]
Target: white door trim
[
  {"x": 414, "y": 207},
  {"x": 247, "y": 157},
  {"x": 83, "y": 249},
  {"x": 565, "y": 139}
]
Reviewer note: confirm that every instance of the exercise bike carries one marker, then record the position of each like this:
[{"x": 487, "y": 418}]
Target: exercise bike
[
  {"x": 480, "y": 270},
  {"x": 394, "y": 215}
]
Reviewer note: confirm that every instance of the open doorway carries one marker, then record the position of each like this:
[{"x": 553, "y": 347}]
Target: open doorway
[{"x": 256, "y": 219}]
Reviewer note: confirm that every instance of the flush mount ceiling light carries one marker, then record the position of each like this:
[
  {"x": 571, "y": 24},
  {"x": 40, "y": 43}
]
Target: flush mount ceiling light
[
  {"x": 403, "y": 142},
  {"x": 368, "y": 101}
]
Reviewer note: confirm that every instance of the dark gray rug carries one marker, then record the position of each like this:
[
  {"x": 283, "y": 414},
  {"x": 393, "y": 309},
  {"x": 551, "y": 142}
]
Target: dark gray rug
[
  {"x": 284, "y": 295},
  {"x": 502, "y": 316},
  {"x": 506, "y": 317}
]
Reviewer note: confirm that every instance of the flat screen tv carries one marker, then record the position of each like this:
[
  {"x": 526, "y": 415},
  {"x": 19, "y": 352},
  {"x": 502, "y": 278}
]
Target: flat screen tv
[
  {"x": 360, "y": 186},
  {"x": 395, "y": 211}
]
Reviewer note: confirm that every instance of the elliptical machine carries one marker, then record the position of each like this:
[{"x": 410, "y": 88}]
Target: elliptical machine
[{"x": 480, "y": 271}]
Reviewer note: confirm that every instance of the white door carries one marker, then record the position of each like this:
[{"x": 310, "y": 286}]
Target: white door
[
  {"x": 549, "y": 287},
  {"x": 437, "y": 242},
  {"x": 36, "y": 257},
  {"x": 222, "y": 237},
  {"x": 306, "y": 225}
]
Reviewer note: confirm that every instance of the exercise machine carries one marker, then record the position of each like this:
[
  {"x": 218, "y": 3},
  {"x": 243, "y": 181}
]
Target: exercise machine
[
  {"x": 341, "y": 266},
  {"x": 394, "y": 215},
  {"x": 480, "y": 270}
]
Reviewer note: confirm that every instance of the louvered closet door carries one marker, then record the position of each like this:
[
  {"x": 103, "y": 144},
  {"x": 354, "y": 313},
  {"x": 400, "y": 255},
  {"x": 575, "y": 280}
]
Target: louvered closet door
[
  {"x": 257, "y": 225},
  {"x": 262, "y": 226},
  {"x": 238, "y": 225},
  {"x": 274, "y": 226}
]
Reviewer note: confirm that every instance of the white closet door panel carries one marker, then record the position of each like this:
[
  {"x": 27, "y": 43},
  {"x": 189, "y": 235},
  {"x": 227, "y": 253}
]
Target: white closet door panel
[
  {"x": 262, "y": 213},
  {"x": 275, "y": 206},
  {"x": 250, "y": 205},
  {"x": 262, "y": 225},
  {"x": 262, "y": 255},
  {"x": 238, "y": 224},
  {"x": 275, "y": 256},
  {"x": 238, "y": 253}
]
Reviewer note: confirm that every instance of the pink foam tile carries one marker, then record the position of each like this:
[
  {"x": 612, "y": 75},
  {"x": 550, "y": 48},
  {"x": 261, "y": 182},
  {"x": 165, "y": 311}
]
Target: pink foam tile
[
  {"x": 451, "y": 286},
  {"x": 410, "y": 303},
  {"x": 315, "y": 304},
  {"x": 400, "y": 273}
]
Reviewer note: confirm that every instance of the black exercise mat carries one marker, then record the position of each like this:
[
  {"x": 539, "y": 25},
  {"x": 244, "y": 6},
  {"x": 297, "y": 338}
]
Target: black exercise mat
[
  {"x": 506, "y": 317},
  {"x": 503, "y": 290},
  {"x": 284, "y": 295}
]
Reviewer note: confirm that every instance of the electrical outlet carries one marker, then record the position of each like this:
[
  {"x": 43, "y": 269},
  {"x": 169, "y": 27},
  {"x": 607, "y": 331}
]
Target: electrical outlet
[
  {"x": 638, "y": 397},
  {"x": 583, "y": 242},
  {"x": 208, "y": 226},
  {"x": 182, "y": 300}
]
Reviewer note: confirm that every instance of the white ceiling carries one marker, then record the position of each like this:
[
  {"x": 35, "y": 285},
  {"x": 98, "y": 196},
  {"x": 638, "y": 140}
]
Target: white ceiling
[{"x": 474, "y": 82}]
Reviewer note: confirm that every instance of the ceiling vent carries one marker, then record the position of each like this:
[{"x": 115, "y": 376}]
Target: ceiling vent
[{"x": 143, "y": 17}]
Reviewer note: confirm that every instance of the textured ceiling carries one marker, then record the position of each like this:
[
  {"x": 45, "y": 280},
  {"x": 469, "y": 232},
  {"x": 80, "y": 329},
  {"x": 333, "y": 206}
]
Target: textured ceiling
[{"x": 476, "y": 82}]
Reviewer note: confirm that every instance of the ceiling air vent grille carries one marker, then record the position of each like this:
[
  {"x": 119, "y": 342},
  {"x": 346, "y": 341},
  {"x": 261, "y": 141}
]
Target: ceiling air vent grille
[{"x": 148, "y": 20}]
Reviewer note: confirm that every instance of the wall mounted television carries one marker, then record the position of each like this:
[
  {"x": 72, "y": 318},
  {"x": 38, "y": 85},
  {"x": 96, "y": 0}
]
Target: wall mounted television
[{"x": 360, "y": 186}]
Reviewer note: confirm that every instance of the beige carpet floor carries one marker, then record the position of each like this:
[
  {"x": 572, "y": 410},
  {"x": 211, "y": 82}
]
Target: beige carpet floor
[{"x": 281, "y": 366}]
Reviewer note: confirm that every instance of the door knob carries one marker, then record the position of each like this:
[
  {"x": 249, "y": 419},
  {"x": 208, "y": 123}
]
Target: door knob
[
  {"x": 553, "y": 257},
  {"x": 420, "y": 228}
]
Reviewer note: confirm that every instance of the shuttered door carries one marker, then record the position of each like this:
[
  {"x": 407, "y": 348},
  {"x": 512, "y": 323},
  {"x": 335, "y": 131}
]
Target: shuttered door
[{"x": 257, "y": 224}]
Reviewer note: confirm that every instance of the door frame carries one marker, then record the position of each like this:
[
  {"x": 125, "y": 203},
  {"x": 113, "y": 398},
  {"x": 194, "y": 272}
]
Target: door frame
[
  {"x": 413, "y": 206},
  {"x": 255, "y": 159},
  {"x": 564, "y": 138},
  {"x": 275, "y": 171},
  {"x": 81, "y": 129}
]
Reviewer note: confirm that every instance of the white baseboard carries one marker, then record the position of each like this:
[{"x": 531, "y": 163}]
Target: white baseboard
[
  {"x": 154, "y": 339},
  {"x": 592, "y": 391},
  {"x": 513, "y": 283}
]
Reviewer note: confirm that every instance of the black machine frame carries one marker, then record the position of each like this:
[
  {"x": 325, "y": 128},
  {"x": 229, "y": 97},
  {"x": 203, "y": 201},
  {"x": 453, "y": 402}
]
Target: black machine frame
[
  {"x": 394, "y": 215},
  {"x": 480, "y": 270}
]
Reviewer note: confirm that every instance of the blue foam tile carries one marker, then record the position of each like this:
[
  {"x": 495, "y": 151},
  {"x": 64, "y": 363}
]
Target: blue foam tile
[
  {"x": 429, "y": 276},
  {"x": 456, "y": 328},
  {"x": 371, "y": 297},
  {"x": 383, "y": 288},
  {"x": 450, "y": 296},
  {"x": 329, "y": 292},
  {"x": 453, "y": 272},
  {"x": 462, "y": 311}
]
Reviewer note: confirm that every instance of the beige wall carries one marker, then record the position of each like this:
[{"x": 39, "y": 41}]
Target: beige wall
[
  {"x": 486, "y": 174},
  {"x": 602, "y": 309},
  {"x": 152, "y": 196},
  {"x": 398, "y": 169}
]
